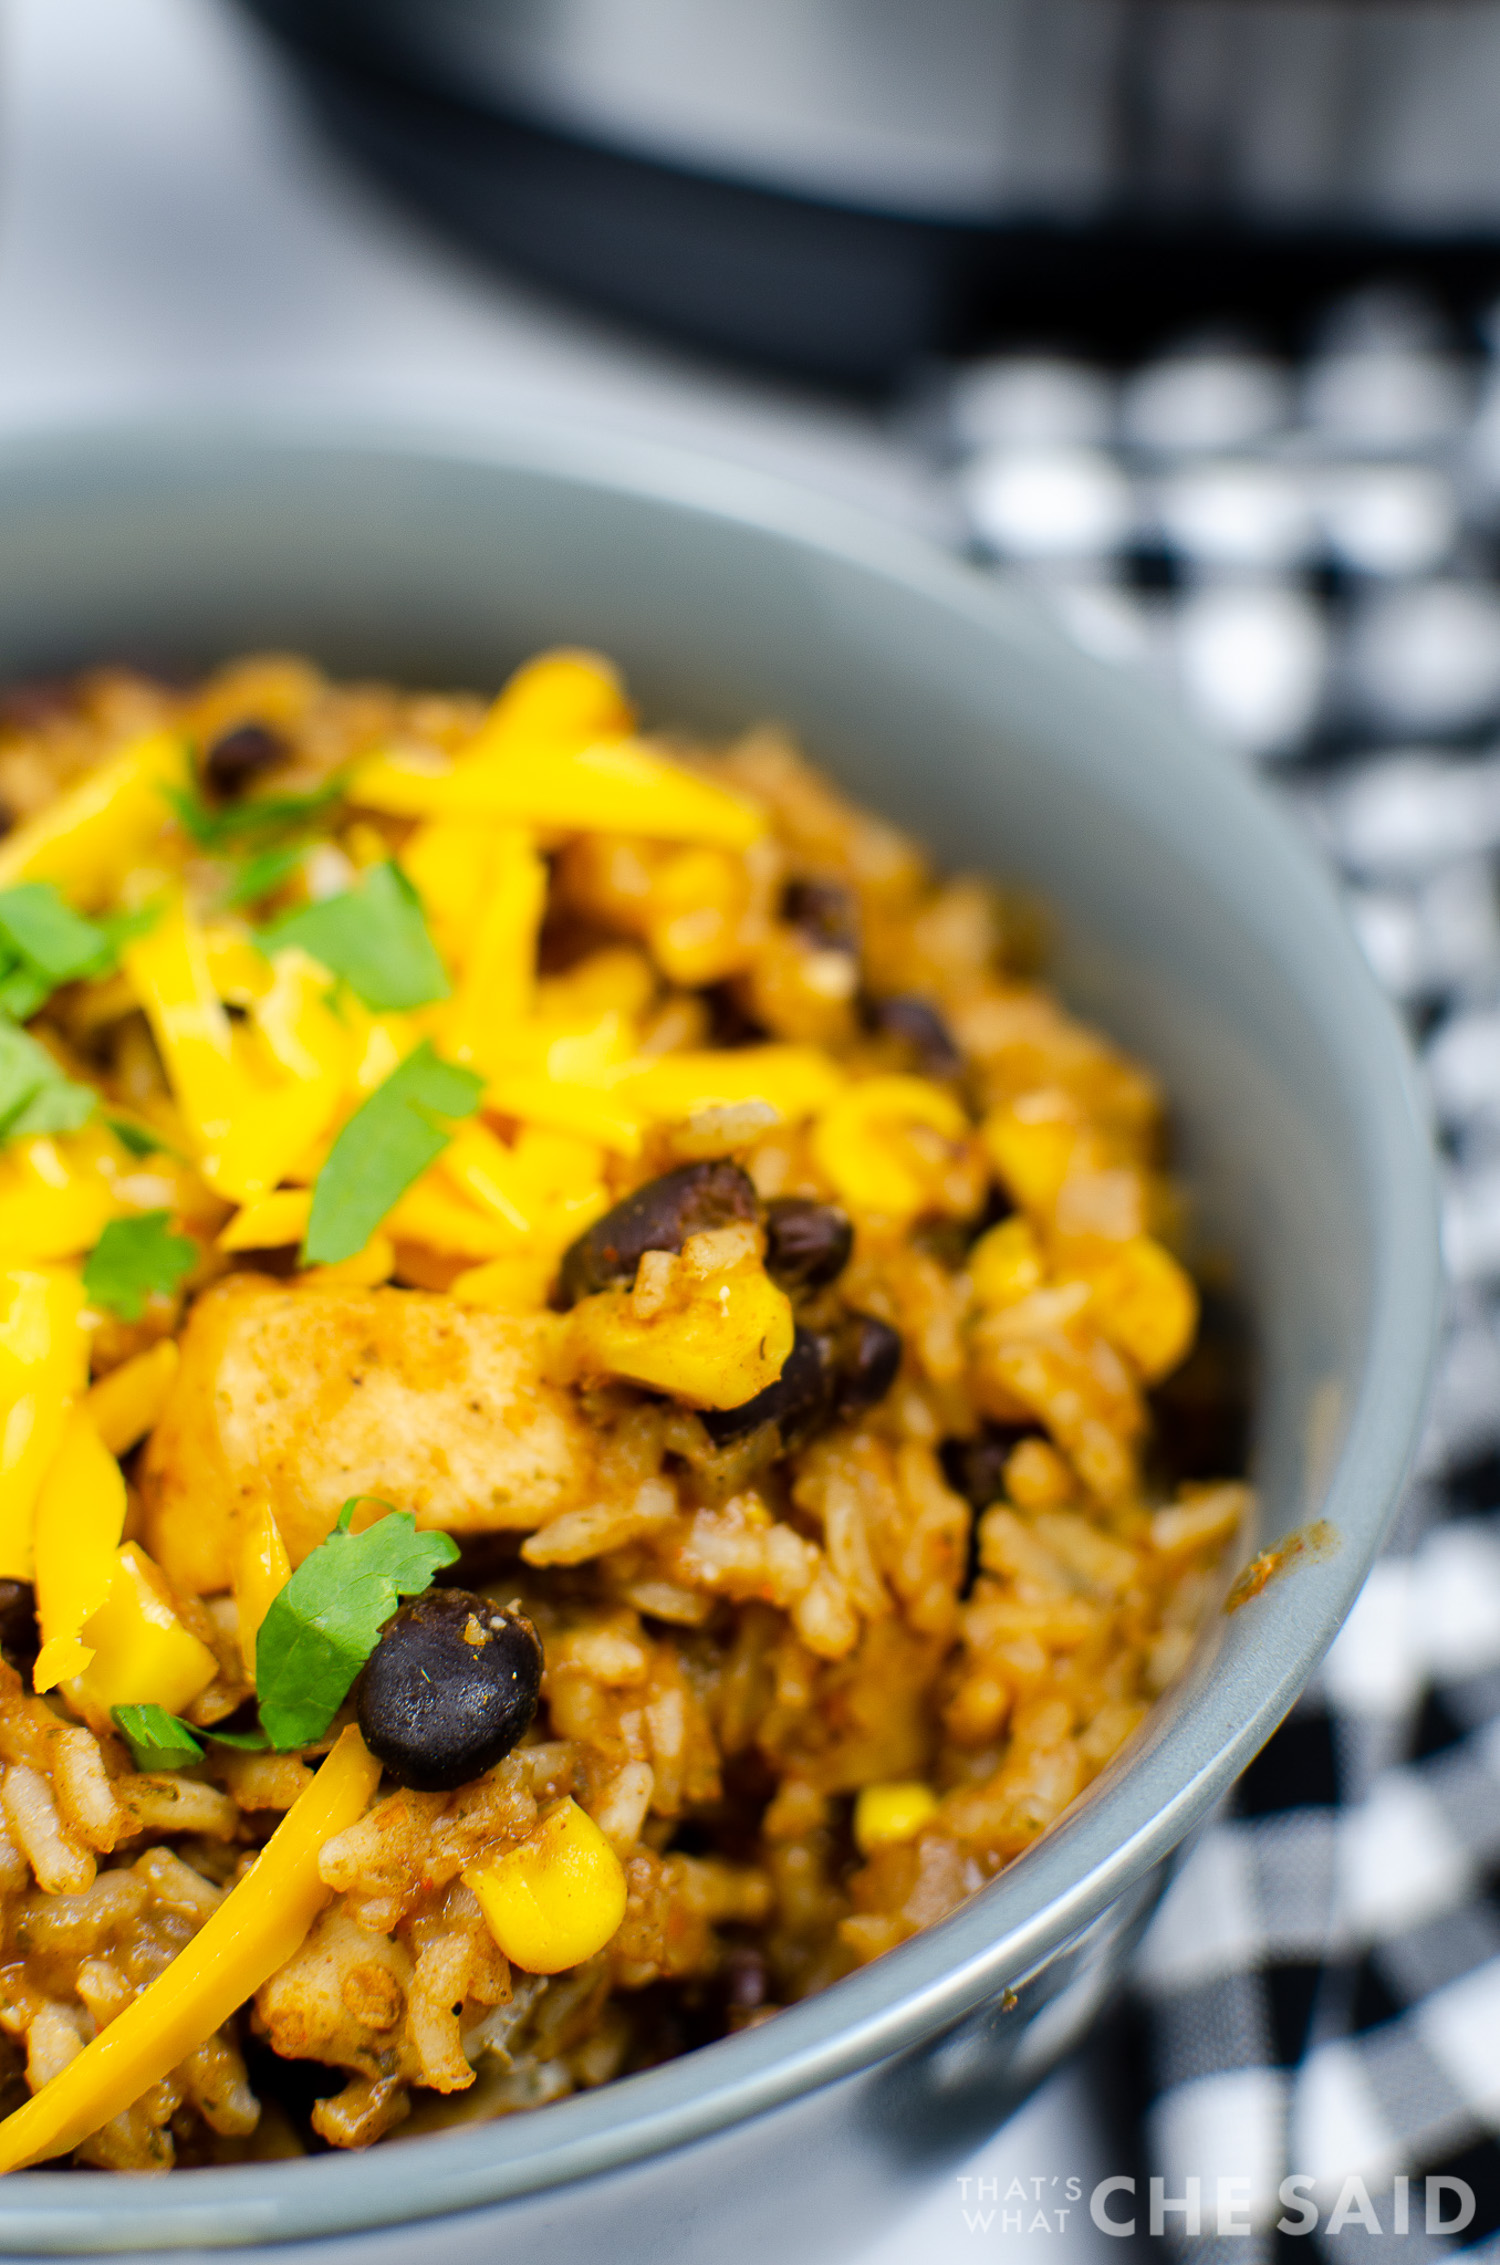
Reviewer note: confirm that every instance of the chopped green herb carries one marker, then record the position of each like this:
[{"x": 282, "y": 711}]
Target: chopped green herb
[
  {"x": 44, "y": 942},
  {"x": 385, "y": 1145},
  {"x": 134, "y": 1258},
  {"x": 243, "y": 1741},
  {"x": 323, "y": 1626},
  {"x": 49, "y": 934},
  {"x": 157, "y": 1740},
  {"x": 373, "y": 936},
  {"x": 267, "y": 833},
  {"x": 22, "y": 991},
  {"x": 122, "y": 928},
  {"x": 263, "y": 872},
  {"x": 162, "y": 1741},
  {"x": 252, "y": 823},
  {"x": 35, "y": 1094},
  {"x": 137, "y": 1137}
]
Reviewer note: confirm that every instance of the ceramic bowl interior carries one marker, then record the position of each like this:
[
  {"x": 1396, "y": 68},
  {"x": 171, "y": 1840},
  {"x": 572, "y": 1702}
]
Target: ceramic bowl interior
[{"x": 1190, "y": 922}]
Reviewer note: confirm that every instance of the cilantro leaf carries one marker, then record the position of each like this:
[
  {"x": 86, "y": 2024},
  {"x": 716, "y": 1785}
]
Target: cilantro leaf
[
  {"x": 162, "y": 1741},
  {"x": 49, "y": 935},
  {"x": 157, "y": 1740},
  {"x": 388, "y": 1142},
  {"x": 44, "y": 942},
  {"x": 137, "y": 1137},
  {"x": 374, "y": 936},
  {"x": 323, "y": 1626},
  {"x": 35, "y": 1094},
  {"x": 264, "y": 871},
  {"x": 133, "y": 1258},
  {"x": 122, "y": 928},
  {"x": 22, "y": 991},
  {"x": 253, "y": 822}
]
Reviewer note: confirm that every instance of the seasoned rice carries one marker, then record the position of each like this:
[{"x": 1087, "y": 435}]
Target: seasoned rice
[{"x": 816, "y": 1678}]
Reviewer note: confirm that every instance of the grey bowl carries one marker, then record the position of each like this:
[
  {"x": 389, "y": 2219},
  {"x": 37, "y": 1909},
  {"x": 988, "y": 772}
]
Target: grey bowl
[{"x": 1193, "y": 925}]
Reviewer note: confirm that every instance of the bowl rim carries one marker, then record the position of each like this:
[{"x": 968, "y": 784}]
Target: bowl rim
[{"x": 1136, "y": 1812}]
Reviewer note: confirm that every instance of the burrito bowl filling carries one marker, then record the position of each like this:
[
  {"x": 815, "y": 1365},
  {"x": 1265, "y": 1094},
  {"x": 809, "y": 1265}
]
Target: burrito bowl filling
[{"x": 600, "y": 1420}]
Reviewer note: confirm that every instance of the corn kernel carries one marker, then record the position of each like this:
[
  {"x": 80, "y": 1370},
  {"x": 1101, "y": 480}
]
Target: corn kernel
[
  {"x": 1147, "y": 1305},
  {"x": 885, "y": 1815},
  {"x": 143, "y": 1655},
  {"x": 713, "y": 1334},
  {"x": 1006, "y": 1264},
  {"x": 556, "y": 1898},
  {"x": 858, "y": 1143},
  {"x": 1032, "y": 1145}
]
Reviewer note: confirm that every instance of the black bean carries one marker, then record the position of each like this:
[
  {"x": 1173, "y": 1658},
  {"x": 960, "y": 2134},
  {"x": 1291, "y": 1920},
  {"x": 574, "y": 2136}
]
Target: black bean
[
  {"x": 917, "y": 1024},
  {"x": 797, "y": 1403},
  {"x": 659, "y": 1216},
  {"x": 807, "y": 1243},
  {"x": 975, "y": 1468},
  {"x": 998, "y": 1207},
  {"x": 730, "y": 1022},
  {"x": 825, "y": 912},
  {"x": 20, "y": 1639},
  {"x": 239, "y": 757},
  {"x": 869, "y": 1359},
  {"x": 449, "y": 1689}
]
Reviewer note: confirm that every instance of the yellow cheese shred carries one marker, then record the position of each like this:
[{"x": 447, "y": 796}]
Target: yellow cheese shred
[
  {"x": 80, "y": 1515},
  {"x": 90, "y": 837},
  {"x": 616, "y": 786},
  {"x": 127, "y": 1403},
  {"x": 43, "y": 1368},
  {"x": 256, "y": 1928},
  {"x": 262, "y": 1569}
]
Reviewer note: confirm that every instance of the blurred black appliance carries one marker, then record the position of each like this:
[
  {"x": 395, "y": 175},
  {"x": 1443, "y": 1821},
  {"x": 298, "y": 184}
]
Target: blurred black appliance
[{"x": 838, "y": 186}]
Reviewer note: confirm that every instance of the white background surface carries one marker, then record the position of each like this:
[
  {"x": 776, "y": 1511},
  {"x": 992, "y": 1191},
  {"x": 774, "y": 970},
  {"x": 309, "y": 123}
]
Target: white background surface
[{"x": 173, "y": 232}]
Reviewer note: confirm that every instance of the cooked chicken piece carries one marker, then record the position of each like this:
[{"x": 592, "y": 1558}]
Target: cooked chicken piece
[{"x": 300, "y": 1397}]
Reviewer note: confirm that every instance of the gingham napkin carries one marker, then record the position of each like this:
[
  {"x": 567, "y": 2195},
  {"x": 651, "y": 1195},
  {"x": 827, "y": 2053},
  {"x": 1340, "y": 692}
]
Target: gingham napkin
[{"x": 1307, "y": 553}]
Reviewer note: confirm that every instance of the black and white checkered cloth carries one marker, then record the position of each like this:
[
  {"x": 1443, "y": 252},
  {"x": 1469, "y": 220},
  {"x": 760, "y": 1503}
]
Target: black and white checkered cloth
[{"x": 1309, "y": 556}]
